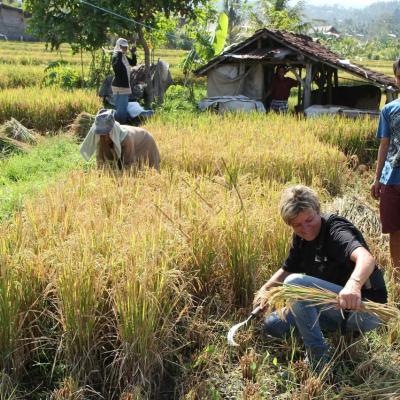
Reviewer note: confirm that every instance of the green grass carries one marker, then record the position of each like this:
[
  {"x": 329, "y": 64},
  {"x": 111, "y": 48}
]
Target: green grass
[{"x": 23, "y": 175}]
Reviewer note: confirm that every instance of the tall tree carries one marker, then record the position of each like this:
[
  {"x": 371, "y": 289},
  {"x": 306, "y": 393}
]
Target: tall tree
[
  {"x": 83, "y": 26},
  {"x": 237, "y": 12},
  {"x": 278, "y": 14}
]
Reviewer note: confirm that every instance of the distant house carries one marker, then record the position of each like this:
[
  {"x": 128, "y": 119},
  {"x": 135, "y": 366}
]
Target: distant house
[
  {"x": 13, "y": 22},
  {"x": 328, "y": 30}
]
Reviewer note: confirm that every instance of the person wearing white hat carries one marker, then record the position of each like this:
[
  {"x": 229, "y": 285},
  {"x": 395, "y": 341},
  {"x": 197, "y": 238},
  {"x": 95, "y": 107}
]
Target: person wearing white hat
[
  {"x": 121, "y": 83},
  {"x": 120, "y": 146}
]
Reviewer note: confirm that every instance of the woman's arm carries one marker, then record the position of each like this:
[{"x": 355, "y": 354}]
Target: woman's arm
[
  {"x": 382, "y": 153},
  {"x": 350, "y": 295}
]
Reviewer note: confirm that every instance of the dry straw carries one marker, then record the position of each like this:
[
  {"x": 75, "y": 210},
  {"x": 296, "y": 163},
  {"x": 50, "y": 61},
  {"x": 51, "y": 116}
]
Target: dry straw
[
  {"x": 15, "y": 130},
  {"x": 9, "y": 146},
  {"x": 282, "y": 298},
  {"x": 81, "y": 125},
  {"x": 15, "y": 138}
]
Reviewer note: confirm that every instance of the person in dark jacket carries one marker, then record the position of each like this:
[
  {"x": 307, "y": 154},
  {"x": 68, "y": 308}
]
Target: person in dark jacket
[
  {"x": 120, "y": 85},
  {"x": 327, "y": 252}
]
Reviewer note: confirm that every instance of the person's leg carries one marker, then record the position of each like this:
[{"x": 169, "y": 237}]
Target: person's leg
[
  {"x": 121, "y": 108},
  {"x": 311, "y": 319},
  {"x": 394, "y": 241},
  {"x": 389, "y": 207},
  {"x": 361, "y": 322},
  {"x": 275, "y": 326}
]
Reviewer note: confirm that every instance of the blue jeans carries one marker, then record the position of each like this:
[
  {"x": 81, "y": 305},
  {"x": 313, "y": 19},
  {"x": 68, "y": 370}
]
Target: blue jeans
[
  {"x": 310, "y": 320},
  {"x": 121, "y": 108}
]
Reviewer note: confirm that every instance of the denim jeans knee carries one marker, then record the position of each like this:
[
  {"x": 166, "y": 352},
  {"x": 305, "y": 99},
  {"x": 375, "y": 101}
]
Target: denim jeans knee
[
  {"x": 296, "y": 279},
  {"x": 276, "y": 327}
]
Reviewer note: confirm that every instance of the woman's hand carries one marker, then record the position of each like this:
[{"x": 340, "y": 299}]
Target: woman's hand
[
  {"x": 376, "y": 189},
  {"x": 260, "y": 298},
  {"x": 350, "y": 296}
]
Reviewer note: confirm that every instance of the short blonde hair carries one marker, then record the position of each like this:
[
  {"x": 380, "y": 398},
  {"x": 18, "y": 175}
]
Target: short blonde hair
[{"x": 296, "y": 199}]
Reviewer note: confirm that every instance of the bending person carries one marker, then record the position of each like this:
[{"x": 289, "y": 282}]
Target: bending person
[
  {"x": 121, "y": 146},
  {"x": 120, "y": 85},
  {"x": 327, "y": 252}
]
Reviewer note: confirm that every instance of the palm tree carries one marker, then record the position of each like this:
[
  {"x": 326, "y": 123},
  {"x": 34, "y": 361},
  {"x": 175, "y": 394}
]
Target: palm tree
[
  {"x": 236, "y": 10},
  {"x": 279, "y": 14}
]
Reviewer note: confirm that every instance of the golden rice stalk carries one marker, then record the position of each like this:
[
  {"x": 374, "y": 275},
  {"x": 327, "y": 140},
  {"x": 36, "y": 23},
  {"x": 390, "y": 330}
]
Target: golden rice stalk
[
  {"x": 282, "y": 298},
  {"x": 81, "y": 125}
]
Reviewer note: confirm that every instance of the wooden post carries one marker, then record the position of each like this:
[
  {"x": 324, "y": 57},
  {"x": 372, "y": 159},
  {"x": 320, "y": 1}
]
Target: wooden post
[
  {"x": 299, "y": 90},
  {"x": 329, "y": 86},
  {"x": 390, "y": 96},
  {"x": 307, "y": 86},
  {"x": 320, "y": 80},
  {"x": 336, "y": 78}
]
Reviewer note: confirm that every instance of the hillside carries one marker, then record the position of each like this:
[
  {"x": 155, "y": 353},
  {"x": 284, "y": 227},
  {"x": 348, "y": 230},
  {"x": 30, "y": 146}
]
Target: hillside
[{"x": 376, "y": 20}]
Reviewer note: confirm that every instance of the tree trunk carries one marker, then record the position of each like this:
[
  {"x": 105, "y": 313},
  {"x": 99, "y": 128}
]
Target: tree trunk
[{"x": 149, "y": 85}]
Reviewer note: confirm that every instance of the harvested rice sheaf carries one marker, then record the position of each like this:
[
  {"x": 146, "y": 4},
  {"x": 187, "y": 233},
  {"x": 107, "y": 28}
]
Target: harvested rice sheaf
[
  {"x": 15, "y": 138},
  {"x": 282, "y": 297},
  {"x": 13, "y": 129},
  {"x": 81, "y": 125},
  {"x": 10, "y": 146}
]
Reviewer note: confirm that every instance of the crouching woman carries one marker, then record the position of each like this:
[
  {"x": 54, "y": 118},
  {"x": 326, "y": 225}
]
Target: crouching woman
[
  {"x": 121, "y": 146},
  {"x": 327, "y": 252}
]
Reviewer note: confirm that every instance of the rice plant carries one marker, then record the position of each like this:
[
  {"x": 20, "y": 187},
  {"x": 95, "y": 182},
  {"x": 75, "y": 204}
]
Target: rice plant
[
  {"x": 129, "y": 282},
  {"x": 46, "y": 109},
  {"x": 259, "y": 145},
  {"x": 243, "y": 258}
]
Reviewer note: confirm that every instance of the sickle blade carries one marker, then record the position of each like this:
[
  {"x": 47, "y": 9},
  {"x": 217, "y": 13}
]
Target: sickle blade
[{"x": 233, "y": 330}]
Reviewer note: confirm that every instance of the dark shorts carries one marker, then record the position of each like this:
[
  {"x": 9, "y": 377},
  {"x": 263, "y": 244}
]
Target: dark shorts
[{"x": 390, "y": 208}]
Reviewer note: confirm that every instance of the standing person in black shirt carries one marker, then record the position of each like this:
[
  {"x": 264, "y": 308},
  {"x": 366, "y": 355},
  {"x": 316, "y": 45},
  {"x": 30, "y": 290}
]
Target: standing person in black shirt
[
  {"x": 120, "y": 85},
  {"x": 327, "y": 252}
]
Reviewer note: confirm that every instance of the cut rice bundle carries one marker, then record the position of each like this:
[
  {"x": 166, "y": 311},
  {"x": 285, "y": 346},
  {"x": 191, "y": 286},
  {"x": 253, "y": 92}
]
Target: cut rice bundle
[
  {"x": 9, "y": 146},
  {"x": 282, "y": 298},
  {"x": 81, "y": 125},
  {"x": 13, "y": 129}
]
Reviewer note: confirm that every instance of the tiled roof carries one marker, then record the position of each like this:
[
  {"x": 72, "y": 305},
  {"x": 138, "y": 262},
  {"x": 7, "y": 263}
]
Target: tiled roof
[{"x": 301, "y": 45}]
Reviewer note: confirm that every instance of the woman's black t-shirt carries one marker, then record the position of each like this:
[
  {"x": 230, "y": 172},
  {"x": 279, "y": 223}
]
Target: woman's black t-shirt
[{"x": 328, "y": 256}]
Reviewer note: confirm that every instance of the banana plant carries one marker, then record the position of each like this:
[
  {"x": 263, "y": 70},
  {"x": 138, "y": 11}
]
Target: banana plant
[{"x": 206, "y": 47}]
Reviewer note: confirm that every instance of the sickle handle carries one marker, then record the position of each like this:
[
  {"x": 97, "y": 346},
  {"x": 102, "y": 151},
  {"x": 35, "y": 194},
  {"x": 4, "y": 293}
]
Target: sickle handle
[{"x": 256, "y": 311}]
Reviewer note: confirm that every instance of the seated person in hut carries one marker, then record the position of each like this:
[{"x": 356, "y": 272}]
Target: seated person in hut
[
  {"x": 280, "y": 89},
  {"x": 121, "y": 146}
]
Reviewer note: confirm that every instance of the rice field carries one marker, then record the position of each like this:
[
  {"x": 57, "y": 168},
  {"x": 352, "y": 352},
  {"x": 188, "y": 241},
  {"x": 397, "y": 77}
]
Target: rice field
[
  {"x": 30, "y": 59},
  {"x": 46, "y": 109},
  {"x": 121, "y": 286}
]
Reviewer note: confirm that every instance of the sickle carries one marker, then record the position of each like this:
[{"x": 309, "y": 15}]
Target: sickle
[{"x": 235, "y": 328}]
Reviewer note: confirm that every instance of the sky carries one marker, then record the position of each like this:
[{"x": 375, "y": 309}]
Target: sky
[{"x": 344, "y": 3}]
